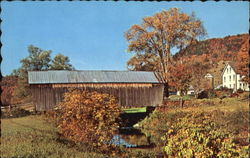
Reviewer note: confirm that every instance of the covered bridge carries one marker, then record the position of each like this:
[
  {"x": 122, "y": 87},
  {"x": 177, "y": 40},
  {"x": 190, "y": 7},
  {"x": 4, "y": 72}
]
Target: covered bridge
[{"x": 131, "y": 88}]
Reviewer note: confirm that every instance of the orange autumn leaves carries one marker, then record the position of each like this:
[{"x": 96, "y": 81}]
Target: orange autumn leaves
[
  {"x": 242, "y": 63},
  {"x": 153, "y": 40},
  {"x": 8, "y": 86},
  {"x": 180, "y": 77},
  {"x": 159, "y": 33},
  {"x": 188, "y": 71},
  {"x": 88, "y": 117}
]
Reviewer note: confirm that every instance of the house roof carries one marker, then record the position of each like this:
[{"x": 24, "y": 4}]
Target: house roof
[
  {"x": 232, "y": 64},
  {"x": 62, "y": 76}
]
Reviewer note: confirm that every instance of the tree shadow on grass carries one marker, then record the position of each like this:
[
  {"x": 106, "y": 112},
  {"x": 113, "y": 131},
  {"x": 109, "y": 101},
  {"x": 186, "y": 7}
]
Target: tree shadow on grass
[{"x": 14, "y": 113}]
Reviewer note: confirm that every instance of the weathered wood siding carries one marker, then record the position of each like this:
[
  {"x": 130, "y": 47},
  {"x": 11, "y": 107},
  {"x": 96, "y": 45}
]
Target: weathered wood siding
[{"x": 46, "y": 96}]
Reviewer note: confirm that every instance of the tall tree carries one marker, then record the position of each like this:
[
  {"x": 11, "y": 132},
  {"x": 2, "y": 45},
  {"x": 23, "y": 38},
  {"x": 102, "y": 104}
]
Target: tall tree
[
  {"x": 61, "y": 62},
  {"x": 160, "y": 33},
  {"x": 143, "y": 62},
  {"x": 180, "y": 77},
  {"x": 37, "y": 60}
]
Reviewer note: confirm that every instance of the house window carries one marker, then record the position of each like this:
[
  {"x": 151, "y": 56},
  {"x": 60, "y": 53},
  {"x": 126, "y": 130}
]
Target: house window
[
  {"x": 227, "y": 70},
  {"x": 240, "y": 85},
  {"x": 230, "y": 69},
  {"x": 225, "y": 79},
  {"x": 229, "y": 85},
  {"x": 229, "y": 78}
]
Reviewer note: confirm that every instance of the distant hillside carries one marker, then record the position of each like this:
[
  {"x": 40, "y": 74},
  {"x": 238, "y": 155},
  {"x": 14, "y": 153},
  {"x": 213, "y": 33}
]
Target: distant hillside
[
  {"x": 218, "y": 50},
  {"x": 214, "y": 45}
]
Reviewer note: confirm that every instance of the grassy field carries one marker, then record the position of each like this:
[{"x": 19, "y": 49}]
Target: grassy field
[
  {"x": 32, "y": 136},
  {"x": 177, "y": 97},
  {"x": 134, "y": 110}
]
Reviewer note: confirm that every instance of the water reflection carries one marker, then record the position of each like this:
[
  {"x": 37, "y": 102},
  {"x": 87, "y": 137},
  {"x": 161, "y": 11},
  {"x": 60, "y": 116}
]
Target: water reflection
[
  {"x": 131, "y": 137},
  {"x": 117, "y": 140}
]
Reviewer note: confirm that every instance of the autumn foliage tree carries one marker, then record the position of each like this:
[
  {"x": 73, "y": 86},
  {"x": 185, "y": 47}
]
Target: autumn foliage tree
[
  {"x": 189, "y": 71},
  {"x": 8, "y": 85},
  {"x": 180, "y": 78},
  {"x": 143, "y": 62},
  {"x": 160, "y": 33},
  {"x": 89, "y": 117}
]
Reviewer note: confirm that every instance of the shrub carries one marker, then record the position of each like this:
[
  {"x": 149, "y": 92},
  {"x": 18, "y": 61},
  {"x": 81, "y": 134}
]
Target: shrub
[
  {"x": 240, "y": 91},
  {"x": 223, "y": 91},
  {"x": 203, "y": 94},
  {"x": 195, "y": 135},
  {"x": 156, "y": 125},
  {"x": 88, "y": 117},
  {"x": 209, "y": 93}
]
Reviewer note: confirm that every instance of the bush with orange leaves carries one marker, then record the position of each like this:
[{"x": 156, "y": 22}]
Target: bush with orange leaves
[{"x": 88, "y": 117}]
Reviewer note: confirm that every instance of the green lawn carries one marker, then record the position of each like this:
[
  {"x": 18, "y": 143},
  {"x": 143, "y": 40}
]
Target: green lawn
[
  {"x": 32, "y": 136},
  {"x": 135, "y": 110},
  {"x": 177, "y": 97}
]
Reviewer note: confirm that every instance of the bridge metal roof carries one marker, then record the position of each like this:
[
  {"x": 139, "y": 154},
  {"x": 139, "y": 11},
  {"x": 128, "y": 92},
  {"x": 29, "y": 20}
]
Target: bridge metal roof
[{"x": 62, "y": 76}]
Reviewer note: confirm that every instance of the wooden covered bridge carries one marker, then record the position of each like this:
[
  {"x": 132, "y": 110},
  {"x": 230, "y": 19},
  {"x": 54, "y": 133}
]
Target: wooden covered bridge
[{"x": 131, "y": 88}]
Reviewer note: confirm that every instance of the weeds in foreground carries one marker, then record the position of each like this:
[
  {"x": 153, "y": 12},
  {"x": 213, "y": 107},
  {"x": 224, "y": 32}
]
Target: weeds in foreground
[{"x": 231, "y": 117}]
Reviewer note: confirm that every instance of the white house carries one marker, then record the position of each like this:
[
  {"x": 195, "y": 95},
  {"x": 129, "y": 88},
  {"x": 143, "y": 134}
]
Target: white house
[{"x": 231, "y": 79}]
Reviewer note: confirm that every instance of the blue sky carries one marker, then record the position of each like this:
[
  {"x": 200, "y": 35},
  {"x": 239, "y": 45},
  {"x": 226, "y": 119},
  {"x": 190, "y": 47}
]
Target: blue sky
[{"x": 92, "y": 33}]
